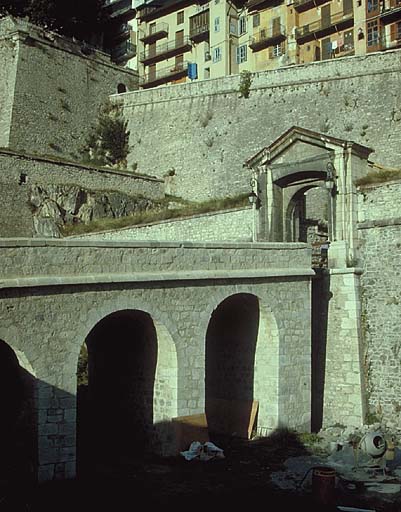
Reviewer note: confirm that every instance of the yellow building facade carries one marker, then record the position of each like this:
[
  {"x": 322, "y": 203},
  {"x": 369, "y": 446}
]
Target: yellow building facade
[{"x": 184, "y": 40}]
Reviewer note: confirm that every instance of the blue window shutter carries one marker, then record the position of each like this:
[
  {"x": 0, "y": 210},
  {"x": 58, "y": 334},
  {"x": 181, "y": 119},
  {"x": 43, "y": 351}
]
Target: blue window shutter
[{"x": 192, "y": 70}]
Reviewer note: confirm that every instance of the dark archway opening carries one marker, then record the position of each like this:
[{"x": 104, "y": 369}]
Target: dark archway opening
[
  {"x": 115, "y": 406},
  {"x": 18, "y": 423},
  {"x": 121, "y": 88},
  {"x": 230, "y": 363}
]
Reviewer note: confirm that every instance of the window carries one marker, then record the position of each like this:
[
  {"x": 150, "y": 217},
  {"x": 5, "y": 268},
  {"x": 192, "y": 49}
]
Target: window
[
  {"x": 217, "y": 24},
  {"x": 207, "y": 73},
  {"x": 241, "y": 54},
  {"x": 180, "y": 17},
  {"x": 217, "y": 54},
  {"x": 256, "y": 20},
  {"x": 373, "y": 33},
  {"x": 348, "y": 40},
  {"x": 395, "y": 31},
  {"x": 242, "y": 25},
  {"x": 152, "y": 28},
  {"x": 278, "y": 50},
  {"x": 233, "y": 26},
  {"x": 373, "y": 5}
]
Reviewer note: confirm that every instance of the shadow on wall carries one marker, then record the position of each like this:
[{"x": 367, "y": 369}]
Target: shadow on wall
[
  {"x": 320, "y": 305},
  {"x": 18, "y": 431},
  {"x": 231, "y": 340}
]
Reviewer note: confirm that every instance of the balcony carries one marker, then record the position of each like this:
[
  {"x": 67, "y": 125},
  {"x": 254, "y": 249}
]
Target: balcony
[
  {"x": 122, "y": 33},
  {"x": 119, "y": 9},
  {"x": 164, "y": 75},
  {"x": 199, "y": 33},
  {"x": 199, "y": 27},
  {"x": 305, "y": 5},
  {"x": 158, "y": 32},
  {"x": 255, "y": 5},
  {"x": 120, "y": 54},
  {"x": 164, "y": 7},
  {"x": 324, "y": 27},
  {"x": 391, "y": 12},
  {"x": 267, "y": 37},
  {"x": 165, "y": 51}
]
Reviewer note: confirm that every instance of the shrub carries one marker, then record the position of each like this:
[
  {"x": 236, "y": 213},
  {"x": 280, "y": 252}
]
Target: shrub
[
  {"x": 107, "y": 142},
  {"x": 245, "y": 83}
]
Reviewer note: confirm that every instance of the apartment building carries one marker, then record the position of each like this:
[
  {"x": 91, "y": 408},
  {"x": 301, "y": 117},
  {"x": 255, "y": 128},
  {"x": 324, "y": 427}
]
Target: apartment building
[
  {"x": 117, "y": 35},
  {"x": 182, "y": 40}
]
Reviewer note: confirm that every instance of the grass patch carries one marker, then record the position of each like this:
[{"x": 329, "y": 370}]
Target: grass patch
[
  {"x": 380, "y": 176},
  {"x": 162, "y": 212}
]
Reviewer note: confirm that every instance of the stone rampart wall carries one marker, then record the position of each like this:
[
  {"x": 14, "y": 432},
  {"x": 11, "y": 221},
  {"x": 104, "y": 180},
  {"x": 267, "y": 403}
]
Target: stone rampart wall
[
  {"x": 72, "y": 185},
  {"x": 205, "y": 131},
  {"x": 232, "y": 225},
  {"x": 57, "y": 89},
  {"x": 381, "y": 297},
  {"x": 49, "y": 171}
]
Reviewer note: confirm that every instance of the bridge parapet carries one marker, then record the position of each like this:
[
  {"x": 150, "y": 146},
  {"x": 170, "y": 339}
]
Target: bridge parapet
[{"x": 35, "y": 262}]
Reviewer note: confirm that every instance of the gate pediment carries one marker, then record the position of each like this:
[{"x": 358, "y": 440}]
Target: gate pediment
[{"x": 299, "y": 146}]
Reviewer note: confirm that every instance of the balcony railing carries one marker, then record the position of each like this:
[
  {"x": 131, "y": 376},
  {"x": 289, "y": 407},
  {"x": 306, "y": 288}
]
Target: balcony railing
[
  {"x": 158, "y": 32},
  {"x": 305, "y": 5},
  {"x": 120, "y": 54},
  {"x": 199, "y": 33},
  {"x": 391, "y": 12},
  {"x": 165, "y": 51},
  {"x": 164, "y": 75},
  {"x": 324, "y": 27},
  {"x": 255, "y": 5},
  {"x": 267, "y": 37},
  {"x": 119, "y": 9},
  {"x": 162, "y": 8}
]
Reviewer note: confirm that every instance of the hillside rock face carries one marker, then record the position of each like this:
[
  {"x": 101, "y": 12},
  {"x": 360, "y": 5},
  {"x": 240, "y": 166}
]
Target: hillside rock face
[{"x": 54, "y": 206}]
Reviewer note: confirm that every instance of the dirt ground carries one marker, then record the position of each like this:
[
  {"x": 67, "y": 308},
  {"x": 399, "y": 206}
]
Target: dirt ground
[{"x": 241, "y": 479}]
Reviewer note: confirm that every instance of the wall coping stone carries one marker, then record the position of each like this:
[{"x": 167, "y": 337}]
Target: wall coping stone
[
  {"x": 347, "y": 270},
  {"x": 50, "y": 242},
  {"x": 380, "y": 223},
  {"x": 145, "y": 277},
  {"x": 64, "y": 163},
  {"x": 396, "y": 181}
]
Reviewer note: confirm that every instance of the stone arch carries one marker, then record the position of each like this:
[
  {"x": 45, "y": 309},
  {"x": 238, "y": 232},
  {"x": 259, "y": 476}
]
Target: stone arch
[
  {"x": 18, "y": 427},
  {"x": 301, "y": 212},
  {"x": 255, "y": 376},
  {"x": 148, "y": 362}
]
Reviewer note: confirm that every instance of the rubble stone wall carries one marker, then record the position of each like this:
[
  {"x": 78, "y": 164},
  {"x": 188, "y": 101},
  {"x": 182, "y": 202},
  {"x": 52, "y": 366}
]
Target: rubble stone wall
[
  {"x": 380, "y": 236},
  {"x": 56, "y": 89},
  {"x": 205, "y": 131},
  {"x": 22, "y": 175},
  {"x": 233, "y": 225}
]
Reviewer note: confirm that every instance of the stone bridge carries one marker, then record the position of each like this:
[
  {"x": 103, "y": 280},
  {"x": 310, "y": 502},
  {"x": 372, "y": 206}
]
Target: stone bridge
[{"x": 167, "y": 326}]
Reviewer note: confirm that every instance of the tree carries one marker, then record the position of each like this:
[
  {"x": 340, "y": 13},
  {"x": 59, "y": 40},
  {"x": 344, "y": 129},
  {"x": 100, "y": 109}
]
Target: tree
[
  {"x": 107, "y": 142},
  {"x": 79, "y": 18}
]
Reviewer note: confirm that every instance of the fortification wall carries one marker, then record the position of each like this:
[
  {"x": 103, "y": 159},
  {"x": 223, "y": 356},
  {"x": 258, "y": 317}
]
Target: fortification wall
[
  {"x": 58, "y": 89},
  {"x": 224, "y": 226},
  {"x": 8, "y": 70},
  {"x": 204, "y": 131},
  {"x": 46, "y": 171},
  {"x": 380, "y": 238},
  {"x": 48, "y": 191}
]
